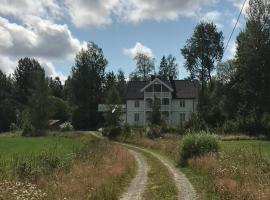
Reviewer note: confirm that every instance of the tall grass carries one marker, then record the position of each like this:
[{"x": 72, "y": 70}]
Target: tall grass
[{"x": 94, "y": 170}]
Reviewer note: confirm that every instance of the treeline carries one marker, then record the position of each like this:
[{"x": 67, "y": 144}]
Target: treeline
[
  {"x": 29, "y": 99},
  {"x": 237, "y": 99}
]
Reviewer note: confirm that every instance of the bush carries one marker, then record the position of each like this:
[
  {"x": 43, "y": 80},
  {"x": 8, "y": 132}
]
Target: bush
[
  {"x": 59, "y": 109},
  {"x": 195, "y": 123},
  {"x": 112, "y": 132},
  {"x": 13, "y": 127},
  {"x": 196, "y": 145},
  {"x": 153, "y": 131},
  {"x": 67, "y": 126},
  {"x": 230, "y": 126}
]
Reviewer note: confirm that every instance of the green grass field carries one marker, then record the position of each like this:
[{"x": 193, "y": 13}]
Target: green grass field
[
  {"x": 253, "y": 145},
  {"x": 10, "y": 146}
]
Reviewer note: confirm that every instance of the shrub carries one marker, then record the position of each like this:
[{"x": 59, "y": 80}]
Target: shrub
[
  {"x": 230, "y": 126},
  {"x": 195, "y": 123},
  {"x": 112, "y": 132},
  {"x": 13, "y": 127},
  {"x": 153, "y": 131},
  {"x": 67, "y": 126},
  {"x": 59, "y": 109},
  {"x": 196, "y": 145}
]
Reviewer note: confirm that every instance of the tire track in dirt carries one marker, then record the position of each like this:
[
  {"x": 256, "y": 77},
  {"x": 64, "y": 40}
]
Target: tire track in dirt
[
  {"x": 184, "y": 187},
  {"x": 138, "y": 184}
]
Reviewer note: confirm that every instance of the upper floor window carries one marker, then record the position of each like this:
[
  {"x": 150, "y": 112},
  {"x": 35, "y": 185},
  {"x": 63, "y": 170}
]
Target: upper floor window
[
  {"x": 165, "y": 101},
  {"x": 136, "y": 117},
  {"x": 137, "y": 104},
  {"x": 182, "y": 103},
  {"x": 149, "y": 102}
]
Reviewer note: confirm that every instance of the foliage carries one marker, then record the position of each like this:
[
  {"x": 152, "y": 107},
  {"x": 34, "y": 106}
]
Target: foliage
[
  {"x": 155, "y": 115},
  {"x": 55, "y": 87},
  {"x": 13, "y": 127},
  {"x": 66, "y": 126},
  {"x": 86, "y": 82},
  {"x": 202, "y": 51},
  {"x": 59, "y": 109},
  {"x": 252, "y": 60},
  {"x": 114, "y": 109},
  {"x": 196, "y": 145},
  {"x": 7, "y": 102},
  {"x": 145, "y": 66},
  {"x": 168, "y": 68},
  {"x": 226, "y": 71},
  {"x": 195, "y": 123},
  {"x": 153, "y": 131},
  {"x": 25, "y": 76}
]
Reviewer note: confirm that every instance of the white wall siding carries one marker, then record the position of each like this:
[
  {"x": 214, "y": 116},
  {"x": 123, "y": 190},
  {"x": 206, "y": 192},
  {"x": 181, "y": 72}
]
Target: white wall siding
[
  {"x": 132, "y": 110},
  {"x": 189, "y": 105}
]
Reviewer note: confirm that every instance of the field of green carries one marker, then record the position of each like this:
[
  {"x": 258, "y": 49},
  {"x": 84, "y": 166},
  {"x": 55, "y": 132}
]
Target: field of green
[
  {"x": 23, "y": 146},
  {"x": 260, "y": 146}
]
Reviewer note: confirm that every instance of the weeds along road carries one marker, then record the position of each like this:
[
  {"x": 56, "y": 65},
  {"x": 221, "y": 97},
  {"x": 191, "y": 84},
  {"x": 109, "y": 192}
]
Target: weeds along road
[
  {"x": 185, "y": 190},
  {"x": 138, "y": 184}
]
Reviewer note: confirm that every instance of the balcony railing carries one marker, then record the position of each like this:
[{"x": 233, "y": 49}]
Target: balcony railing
[
  {"x": 162, "y": 108},
  {"x": 157, "y": 94}
]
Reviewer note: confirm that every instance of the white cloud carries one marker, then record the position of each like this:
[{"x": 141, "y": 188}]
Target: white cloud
[
  {"x": 160, "y": 10},
  {"x": 138, "y": 48},
  {"x": 239, "y": 4},
  {"x": 213, "y": 16},
  {"x": 38, "y": 38},
  {"x": 21, "y": 8},
  {"x": 232, "y": 47},
  {"x": 85, "y": 12}
]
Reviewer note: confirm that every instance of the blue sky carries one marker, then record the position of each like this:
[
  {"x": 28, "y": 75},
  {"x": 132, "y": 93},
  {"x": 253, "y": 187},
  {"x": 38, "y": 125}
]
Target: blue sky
[{"x": 53, "y": 31}]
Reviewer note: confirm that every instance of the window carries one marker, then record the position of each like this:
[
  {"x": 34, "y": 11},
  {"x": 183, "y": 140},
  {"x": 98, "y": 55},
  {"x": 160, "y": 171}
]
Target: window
[
  {"x": 182, "y": 117},
  {"x": 182, "y": 103},
  {"x": 165, "y": 101},
  {"x": 136, "y": 117},
  {"x": 136, "y": 104}
]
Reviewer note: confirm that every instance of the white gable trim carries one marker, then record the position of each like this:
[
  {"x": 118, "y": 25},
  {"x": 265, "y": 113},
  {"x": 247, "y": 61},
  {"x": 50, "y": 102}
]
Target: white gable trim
[{"x": 158, "y": 80}]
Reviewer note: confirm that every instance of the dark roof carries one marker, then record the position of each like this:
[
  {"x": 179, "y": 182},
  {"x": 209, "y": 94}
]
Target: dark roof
[{"x": 182, "y": 89}]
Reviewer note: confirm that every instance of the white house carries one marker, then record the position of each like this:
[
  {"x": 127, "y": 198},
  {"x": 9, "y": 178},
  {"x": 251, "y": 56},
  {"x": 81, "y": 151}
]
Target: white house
[{"x": 178, "y": 99}]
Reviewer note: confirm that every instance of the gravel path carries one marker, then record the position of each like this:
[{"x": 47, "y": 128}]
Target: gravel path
[
  {"x": 184, "y": 187},
  {"x": 138, "y": 184}
]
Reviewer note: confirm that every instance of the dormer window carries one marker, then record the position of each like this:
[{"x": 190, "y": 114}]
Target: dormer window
[{"x": 137, "y": 104}]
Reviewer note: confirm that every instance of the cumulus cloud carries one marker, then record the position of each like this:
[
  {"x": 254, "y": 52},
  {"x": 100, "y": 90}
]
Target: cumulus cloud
[
  {"x": 20, "y": 8},
  {"x": 213, "y": 16},
  {"x": 37, "y": 38},
  {"x": 101, "y": 12},
  {"x": 139, "y": 10},
  {"x": 138, "y": 48}
]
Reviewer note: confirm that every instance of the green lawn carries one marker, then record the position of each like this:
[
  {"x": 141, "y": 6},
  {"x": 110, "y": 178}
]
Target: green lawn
[
  {"x": 10, "y": 146},
  {"x": 252, "y": 145}
]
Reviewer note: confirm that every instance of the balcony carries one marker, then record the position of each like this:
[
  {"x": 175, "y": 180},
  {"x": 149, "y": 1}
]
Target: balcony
[
  {"x": 162, "y": 108},
  {"x": 157, "y": 94}
]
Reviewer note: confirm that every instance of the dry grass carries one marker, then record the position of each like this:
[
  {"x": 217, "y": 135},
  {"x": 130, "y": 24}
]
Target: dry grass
[
  {"x": 168, "y": 145},
  {"x": 237, "y": 174},
  {"x": 100, "y": 174}
]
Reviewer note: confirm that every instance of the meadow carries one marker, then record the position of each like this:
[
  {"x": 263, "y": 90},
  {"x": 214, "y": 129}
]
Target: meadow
[
  {"x": 241, "y": 169},
  {"x": 63, "y": 166}
]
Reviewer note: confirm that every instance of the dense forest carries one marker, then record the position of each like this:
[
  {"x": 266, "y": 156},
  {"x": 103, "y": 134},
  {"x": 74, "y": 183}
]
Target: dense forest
[{"x": 234, "y": 95}]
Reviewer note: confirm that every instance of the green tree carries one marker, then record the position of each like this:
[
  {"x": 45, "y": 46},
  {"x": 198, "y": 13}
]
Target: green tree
[
  {"x": 145, "y": 67},
  {"x": 253, "y": 61},
  {"x": 55, "y": 87},
  {"x": 114, "y": 110},
  {"x": 25, "y": 76},
  {"x": 121, "y": 85},
  {"x": 87, "y": 80},
  {"x": 168, "y": 68},
  {"x": 226, "y": 71},
  {"x": 7, "y": 102},
  {"x": 156, "y": 118},
  {"x": 202, "y": 51},
  {"x": 59, "y": 109}
]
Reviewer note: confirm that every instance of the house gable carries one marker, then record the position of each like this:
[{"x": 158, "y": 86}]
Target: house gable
[{"x": 154, "y": 82}]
